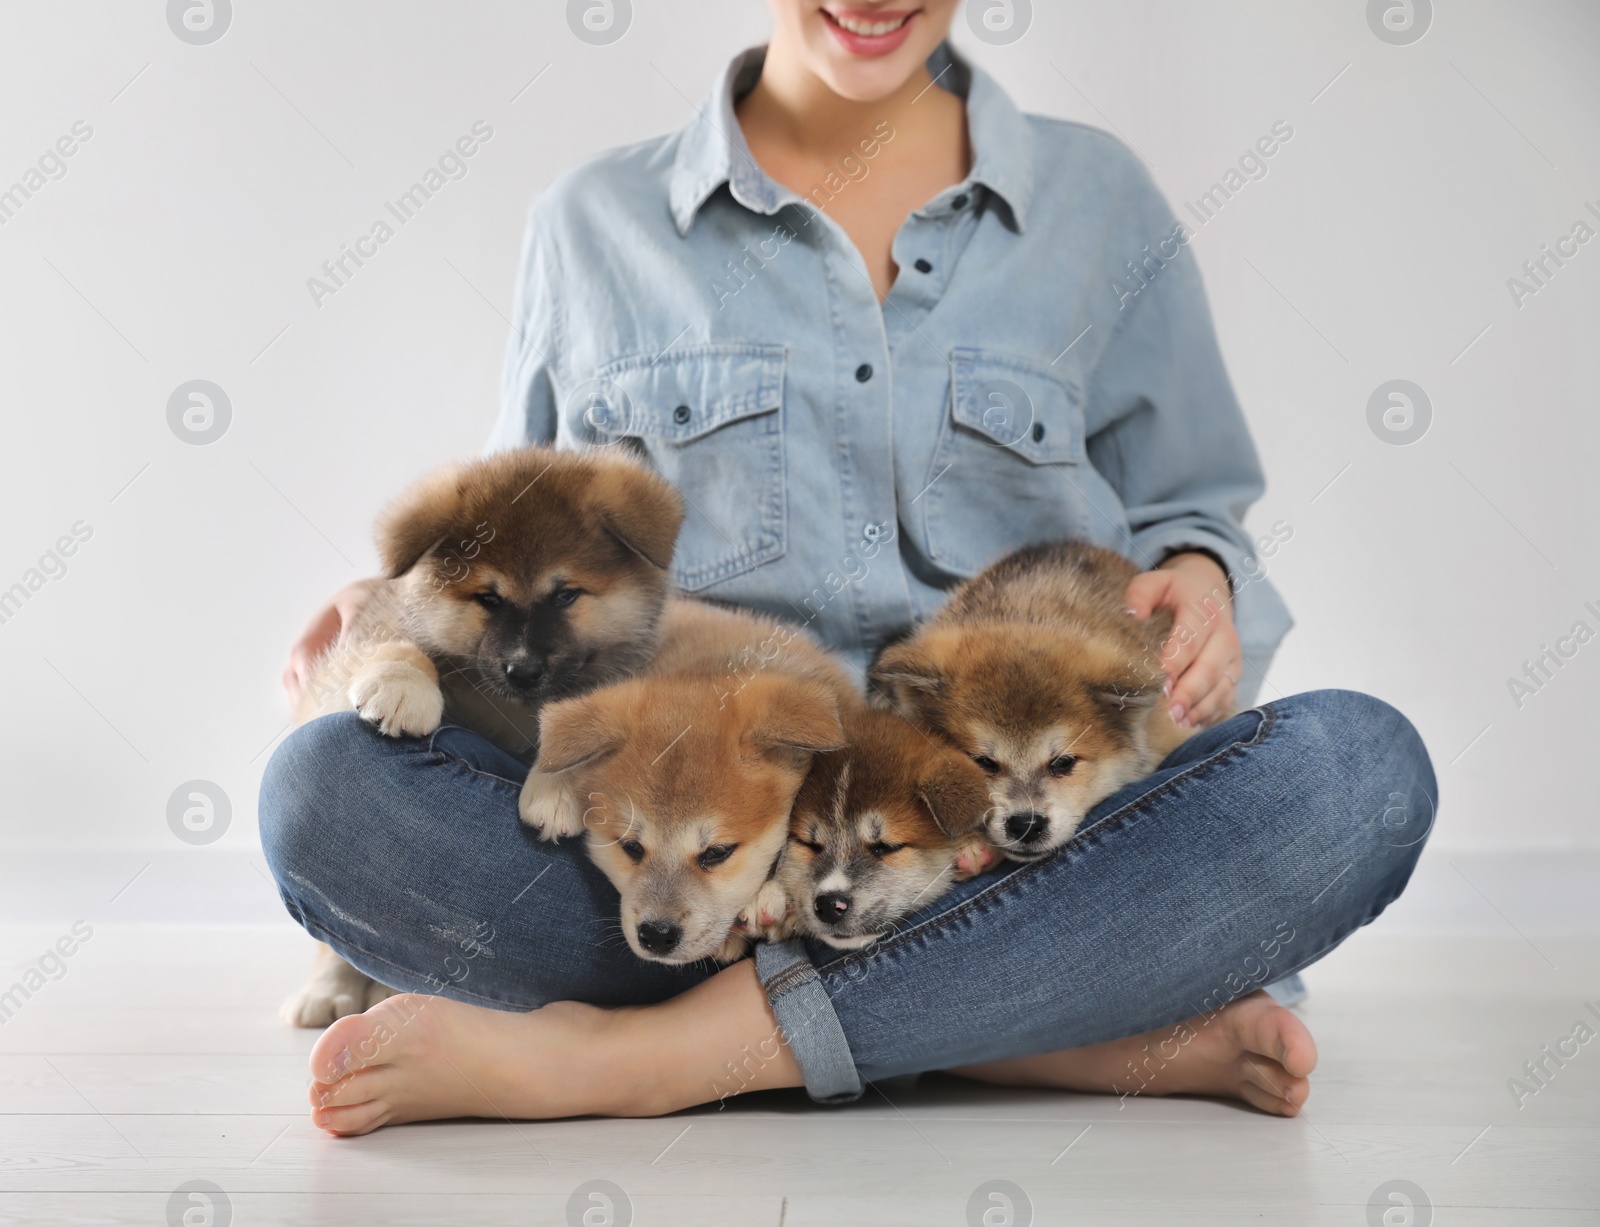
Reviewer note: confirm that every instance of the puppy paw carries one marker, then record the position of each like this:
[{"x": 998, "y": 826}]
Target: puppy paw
[
  {"x": 973, "y": 856},
  {"x": 768, "y": 917},
  {"x": 329, "y": 995},
  {"x": 399, "y": 698},
  {"x": 546, "y": 804}
]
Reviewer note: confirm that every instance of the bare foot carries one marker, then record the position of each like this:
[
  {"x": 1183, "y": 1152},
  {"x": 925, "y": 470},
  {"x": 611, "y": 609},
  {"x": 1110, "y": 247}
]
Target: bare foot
[
  {"x": 428, "y": 1058},
  {"x": 1252, "y": 1049}
]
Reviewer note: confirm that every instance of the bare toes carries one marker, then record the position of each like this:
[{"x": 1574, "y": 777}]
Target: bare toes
[
  {"x": 1266, "y": 1101},
  {"x": 1269, "y": 1078},
  {"x": 363, "y": 1086},
  {"x": 354, "y": 1120}
]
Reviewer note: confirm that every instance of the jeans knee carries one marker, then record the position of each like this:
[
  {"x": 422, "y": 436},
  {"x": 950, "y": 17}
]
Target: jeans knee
[
  {"x": 1374, "y": 755},
  {"x": 301, "y": 786}
]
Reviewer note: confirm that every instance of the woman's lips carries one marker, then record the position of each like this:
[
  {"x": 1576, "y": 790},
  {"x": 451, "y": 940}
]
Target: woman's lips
[{"x": 859, "y": 41}]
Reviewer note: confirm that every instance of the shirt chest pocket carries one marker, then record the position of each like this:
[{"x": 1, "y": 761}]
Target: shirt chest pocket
[
  {"x": 710, "y": 420},
  {"x": 1008, "y": 467}
]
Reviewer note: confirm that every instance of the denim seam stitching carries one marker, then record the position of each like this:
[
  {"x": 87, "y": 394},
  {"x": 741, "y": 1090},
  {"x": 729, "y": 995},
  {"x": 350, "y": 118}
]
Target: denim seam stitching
[
  {"x": 444, "y": 756},
  {"x": 790, "y": 978},
  {"x": 1268, "y": 720}
]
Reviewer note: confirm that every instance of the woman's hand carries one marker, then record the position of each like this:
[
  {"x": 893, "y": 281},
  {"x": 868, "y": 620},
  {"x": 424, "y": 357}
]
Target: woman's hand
[
  {"x": 324, "y": 629},
  {"x": 1202, "y": 655}
]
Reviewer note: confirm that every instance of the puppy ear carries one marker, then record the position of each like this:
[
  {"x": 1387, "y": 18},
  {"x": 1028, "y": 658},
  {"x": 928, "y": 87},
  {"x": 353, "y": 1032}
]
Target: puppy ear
[
  {"x": 791, "y": 718},
  {"x": 573, "y": 732},
  {"x": 418, "y": 520},
  {"x": 907, "y": 678},
  {"x": 1126, "y": 695},
  {"x": 956, "y": 794},
  {"x": 639, "y": 509},
  {"x": 1125, "y": 686}
]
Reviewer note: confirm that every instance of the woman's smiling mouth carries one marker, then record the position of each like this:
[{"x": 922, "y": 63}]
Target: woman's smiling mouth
[{"x": 864, "y": 32}]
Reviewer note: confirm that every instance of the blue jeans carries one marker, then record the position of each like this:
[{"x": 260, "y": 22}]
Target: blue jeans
[{"x": 1255, "y": 848}]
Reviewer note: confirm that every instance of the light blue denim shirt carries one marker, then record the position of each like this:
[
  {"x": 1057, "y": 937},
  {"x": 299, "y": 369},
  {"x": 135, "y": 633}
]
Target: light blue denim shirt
[{"x": 1044, "y": 367}]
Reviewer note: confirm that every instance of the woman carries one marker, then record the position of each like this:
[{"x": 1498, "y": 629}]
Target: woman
[{"x": 879, "y": 328}]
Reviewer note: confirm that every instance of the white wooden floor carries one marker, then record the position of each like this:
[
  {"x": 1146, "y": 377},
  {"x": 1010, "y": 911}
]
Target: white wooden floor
[{"x": 157, "y": 1060}]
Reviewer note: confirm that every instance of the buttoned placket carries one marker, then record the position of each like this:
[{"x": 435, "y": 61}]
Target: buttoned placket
[
  {"x": 868, "y": 564},
  {"x": 870, "y": 338}
]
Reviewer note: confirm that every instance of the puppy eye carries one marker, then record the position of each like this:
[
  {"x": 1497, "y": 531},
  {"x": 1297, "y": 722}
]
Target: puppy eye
[
  {"x": 633, "y": 848},
  {"x": 1062, "y": 764},
  {"x": 565, "y": 596},
  {"x": 806, "y": 843},
  {"x": 987, "y": 763},
  {"x": 882, "y": 849},
  {"x": 489, "y": 600},
  {"x": 715, "y": 855}
]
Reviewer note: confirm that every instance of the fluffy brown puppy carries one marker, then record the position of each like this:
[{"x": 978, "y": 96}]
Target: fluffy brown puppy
[
  {"x": 1035, "y": 670},
  {"x": 523, "y": 577},
  {"x": 683, "y": 778},
  {"x": 881, "y": 828}
]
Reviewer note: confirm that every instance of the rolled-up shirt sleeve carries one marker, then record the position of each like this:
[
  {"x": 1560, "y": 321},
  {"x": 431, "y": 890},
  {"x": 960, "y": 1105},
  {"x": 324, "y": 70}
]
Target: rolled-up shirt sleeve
[
  {"x": 1175, "y": 445},
  {"x": 527, "y": 386}
]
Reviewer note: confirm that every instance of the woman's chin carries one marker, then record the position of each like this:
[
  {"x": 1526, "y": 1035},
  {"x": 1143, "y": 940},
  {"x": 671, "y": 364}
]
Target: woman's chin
[{"x": 869, "y": 81}]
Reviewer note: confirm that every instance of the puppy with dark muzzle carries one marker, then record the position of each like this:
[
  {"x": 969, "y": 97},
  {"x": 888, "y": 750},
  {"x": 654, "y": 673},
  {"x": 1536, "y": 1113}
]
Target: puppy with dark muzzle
[
  {"x": 683, "y": 778},
  {"x": 511, "y": 581},
  {"x": 1035, "y": 669},
  {"x": 881, "y": 828}
]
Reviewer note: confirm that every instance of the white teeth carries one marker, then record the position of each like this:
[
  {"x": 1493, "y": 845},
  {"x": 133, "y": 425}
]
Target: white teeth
[{"x": 872, "y": 29}]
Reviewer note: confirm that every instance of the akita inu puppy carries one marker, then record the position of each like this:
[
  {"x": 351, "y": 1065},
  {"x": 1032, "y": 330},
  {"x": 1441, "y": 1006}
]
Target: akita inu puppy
[
  {"x": 881, "y": 828},
  {"x": 683, "y": 777},
  {"x": 1036, "y": 670},
  {"x": 513, "y": 580}
]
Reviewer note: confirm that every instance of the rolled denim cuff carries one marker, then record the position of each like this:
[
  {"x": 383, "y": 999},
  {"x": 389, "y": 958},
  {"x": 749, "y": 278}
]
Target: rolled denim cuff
[
  {"x": 810, "y": 1026},
  {"x": 1291, "y": 990}
]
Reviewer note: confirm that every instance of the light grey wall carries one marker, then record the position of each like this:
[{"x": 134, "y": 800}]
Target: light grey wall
[{"x": 218, "y": 177}]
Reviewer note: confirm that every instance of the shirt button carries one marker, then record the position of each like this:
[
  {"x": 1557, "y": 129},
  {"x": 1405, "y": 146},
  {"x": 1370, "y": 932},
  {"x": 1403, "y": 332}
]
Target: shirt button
[
  {"x": 864, "y": 372},
  {"x": 1038, "y": 432},
  {"x": 922, "y": 266},
  {"x": 871, "y": 531},
  {"x": 681, "y": 414},
  {"x": 960, "y": 202}
]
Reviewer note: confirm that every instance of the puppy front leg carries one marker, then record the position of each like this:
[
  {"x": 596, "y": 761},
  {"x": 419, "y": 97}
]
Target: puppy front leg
[
  {"x": 547, "y": 804},
  {"x": 769, "y": 917},
  {"x": 766, "y": 918},
  {"x": 332, "y": 990},
  {"x": 972, "y": 856},
  {"x": 397, "y": 689}
]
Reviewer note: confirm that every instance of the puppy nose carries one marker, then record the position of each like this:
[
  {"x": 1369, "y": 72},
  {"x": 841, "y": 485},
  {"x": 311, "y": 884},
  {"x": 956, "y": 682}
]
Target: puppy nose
[
  {"x": 1027, "y": 827},
  {"x": 524, "y": 674},
  {"x": 659, "y": 937},
  {"x": 831, "y": 907}
]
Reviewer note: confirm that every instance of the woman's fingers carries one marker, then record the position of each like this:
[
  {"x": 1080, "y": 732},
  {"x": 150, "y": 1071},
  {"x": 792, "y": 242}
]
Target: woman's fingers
[
  {"x": 1216, "y": 706},
  {"x": 1205, "y": 688},
  {"x": 1147, "y": 591},
  {"x": 1151, "y": 590},
  {"x": 294, "y": 678},
  {"x": 322, "y": 631}
]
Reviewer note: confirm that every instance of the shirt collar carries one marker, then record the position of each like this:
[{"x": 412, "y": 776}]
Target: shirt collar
[{"x": 712, "y": 149}]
